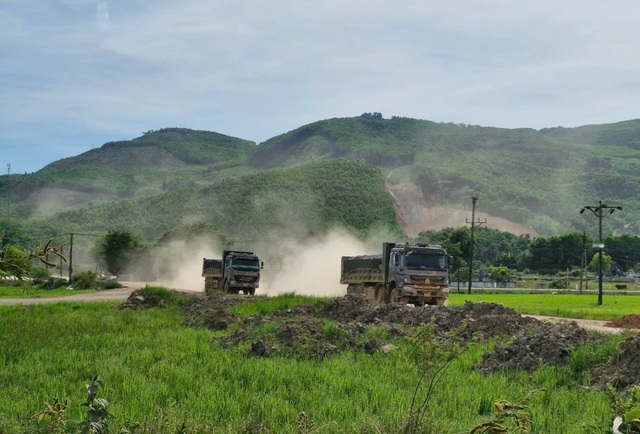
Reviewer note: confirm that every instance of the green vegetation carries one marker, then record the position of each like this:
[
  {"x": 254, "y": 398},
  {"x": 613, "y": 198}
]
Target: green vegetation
[
  {"x": 152, "y": 183},
  {"x": 33, "y": 292},
  {"x": 335, "y": 173},
  {"x": 301, "y": 200},
  {"x": 561, "y": 305},
  {"x": 268, "y": 305},
  {"x": 14, "y": 261},
  {"x": 159, "y": 376}
]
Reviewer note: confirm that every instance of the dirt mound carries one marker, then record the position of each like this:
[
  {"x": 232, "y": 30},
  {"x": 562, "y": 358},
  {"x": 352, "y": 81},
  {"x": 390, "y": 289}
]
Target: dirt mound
[
  {"x": 302, "y": 331},
  {"x": 320, "y": 330},
  {"x": 211, "y": 311},
  {"x": 628, "y": 322},
  {"x": 477, "y": 319},
  {"x": 140, "y": 300},
  {"x": 623, "y": 371},
  {"x": 548, "y": 345}
]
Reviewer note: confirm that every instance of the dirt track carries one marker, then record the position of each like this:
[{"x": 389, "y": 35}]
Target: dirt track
[
  {"x": 119, "y": 294},
  {"x": 589, "y": 324}
]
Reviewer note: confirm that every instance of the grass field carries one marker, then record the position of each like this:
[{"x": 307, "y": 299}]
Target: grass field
[
  {"x": 562, "y": 305},
  {"x": 171, "y": 378},
  {"x": 19, "y": 291}
]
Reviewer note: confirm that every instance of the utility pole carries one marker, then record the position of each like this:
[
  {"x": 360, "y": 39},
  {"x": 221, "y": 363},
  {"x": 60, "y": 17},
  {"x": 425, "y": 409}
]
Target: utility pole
[
  {"x": 70, "y": 257},
  {"x": 583, "y": 259},
  {"x": 601, "y": 210},
  {"x": 473, "y": 222}
]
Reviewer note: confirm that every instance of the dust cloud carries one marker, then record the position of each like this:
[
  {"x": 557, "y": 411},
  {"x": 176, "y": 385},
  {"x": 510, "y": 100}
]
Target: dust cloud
[
  {"x": 310, "y": 266},
  {"x": 178, "y": 264},
  {"x": 304, "y": 265}
]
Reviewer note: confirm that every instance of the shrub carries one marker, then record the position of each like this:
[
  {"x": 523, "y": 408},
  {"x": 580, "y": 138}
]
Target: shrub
[
  {"x": 84, "y": 280},
  {"x": 40, "y": 275},
  {"x": 53, "y": 283}
]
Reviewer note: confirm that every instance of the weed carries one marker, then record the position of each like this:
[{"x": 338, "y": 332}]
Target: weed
[
  {"x": 433, "y": 358},
  {"x": 508, "y": 417},
  {"x": 97, "y": 416},
  {"x": 307, "y": 426},
  {"x": 55, "y": 411},
  {"x": 627, "y": 411}
]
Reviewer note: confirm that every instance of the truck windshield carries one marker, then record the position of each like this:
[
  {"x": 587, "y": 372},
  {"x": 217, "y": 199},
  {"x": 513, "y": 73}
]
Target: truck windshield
[
  {"x": 422, "y": 260},
  {"x": 246, "y": 264}
]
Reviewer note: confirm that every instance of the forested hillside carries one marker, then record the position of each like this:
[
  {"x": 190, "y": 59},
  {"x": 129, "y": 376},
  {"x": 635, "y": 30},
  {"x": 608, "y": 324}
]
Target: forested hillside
[
  {"x": 301, "y": 200},
  {"x": 359, "y": 173},
  {"x": 540, "y": 179}
]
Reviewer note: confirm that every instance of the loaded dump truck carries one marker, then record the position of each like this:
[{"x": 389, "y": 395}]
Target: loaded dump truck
[
  {"x": 409, "y": 273},
  {"x": 236, "y": 271}
]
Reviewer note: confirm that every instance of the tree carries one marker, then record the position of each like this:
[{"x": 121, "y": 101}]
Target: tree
[
  {"x": 502, "y": 274},
  {"x": 558, "y": 252},
  {"x": 594, "y": 264},
  {"x": 119, "y": 249}
]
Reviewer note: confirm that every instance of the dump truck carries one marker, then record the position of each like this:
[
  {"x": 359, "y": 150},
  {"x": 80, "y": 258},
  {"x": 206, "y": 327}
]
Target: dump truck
[
  {"x": 405, "y": 272},
  {"x": 236, "y": 271}
]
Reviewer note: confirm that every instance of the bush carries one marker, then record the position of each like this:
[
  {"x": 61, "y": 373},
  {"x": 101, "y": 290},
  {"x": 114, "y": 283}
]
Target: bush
[
  {"x": 53, "y": 283},
  {"x": 84, "y": 280},
  {"x": 559, "y": 283},
  {"x": 89, "y": 279},
  {"x": 40, "y": 275}
]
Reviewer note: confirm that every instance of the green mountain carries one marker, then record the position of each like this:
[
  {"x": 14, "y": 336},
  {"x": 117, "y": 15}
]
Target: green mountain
[{"x": 361, "y": 173}]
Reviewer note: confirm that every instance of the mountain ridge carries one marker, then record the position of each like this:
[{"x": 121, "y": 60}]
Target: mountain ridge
[{"x": 532, "y": 181}]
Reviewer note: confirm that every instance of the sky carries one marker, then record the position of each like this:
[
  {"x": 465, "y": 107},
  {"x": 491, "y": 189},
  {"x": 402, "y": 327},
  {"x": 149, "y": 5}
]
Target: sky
[{"x": 75, "y": 74}]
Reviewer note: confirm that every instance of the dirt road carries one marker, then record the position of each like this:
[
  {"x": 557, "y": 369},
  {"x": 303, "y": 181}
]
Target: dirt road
[
  {"x": 590, "y": 324},
  {"x": 118, "y": 294}
]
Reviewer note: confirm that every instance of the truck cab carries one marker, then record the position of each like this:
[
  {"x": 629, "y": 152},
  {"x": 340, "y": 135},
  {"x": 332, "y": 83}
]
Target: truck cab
[
  {"x": 241, "y": 272},
  {"x": 236, "y": 271},
  {"x": 416, "y": 273}
]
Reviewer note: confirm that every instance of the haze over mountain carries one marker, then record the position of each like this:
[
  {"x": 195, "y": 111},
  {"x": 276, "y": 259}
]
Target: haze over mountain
[{"x": 361, "y": 173}]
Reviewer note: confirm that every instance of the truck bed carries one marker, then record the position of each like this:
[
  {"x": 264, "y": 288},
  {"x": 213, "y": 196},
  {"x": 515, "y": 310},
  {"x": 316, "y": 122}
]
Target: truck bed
[
  {"x": 361, "y": 269},
  {"x": 211, "y": 267}
]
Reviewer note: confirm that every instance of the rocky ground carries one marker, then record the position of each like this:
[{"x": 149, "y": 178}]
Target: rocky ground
[{"x": 525, "y": 343}]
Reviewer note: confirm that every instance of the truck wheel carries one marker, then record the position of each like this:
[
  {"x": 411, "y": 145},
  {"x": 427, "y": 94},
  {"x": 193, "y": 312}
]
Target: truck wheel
[
  {"x": 387, "y": 294},
  {"x": 441, "y": 301},
  {"x": 252, "y": 291},
  {"x": 378, "y": 293},
  {"x": 394, "y": 296}
]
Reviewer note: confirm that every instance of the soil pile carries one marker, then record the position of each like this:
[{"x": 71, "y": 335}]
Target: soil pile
[
  {"x": 486, "y": 320},
  {"x": 623, "y": 371},
  {"x": 548, "y": 345},
  {"x": 141, "y": 300},
  {"x": 627, "y": 322}
]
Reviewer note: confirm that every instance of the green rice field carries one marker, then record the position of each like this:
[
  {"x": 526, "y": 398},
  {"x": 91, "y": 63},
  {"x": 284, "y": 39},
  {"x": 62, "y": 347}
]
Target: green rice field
[{"x": 163, "y": 377}]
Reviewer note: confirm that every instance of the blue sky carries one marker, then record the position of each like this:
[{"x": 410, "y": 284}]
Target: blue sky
[{"x": 75, "y": 74}]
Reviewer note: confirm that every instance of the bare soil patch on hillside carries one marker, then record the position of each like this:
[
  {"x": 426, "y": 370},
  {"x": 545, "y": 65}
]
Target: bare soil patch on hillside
[
  {"x": 416, "y": 214},
  {"x": 524, "y": 343}
]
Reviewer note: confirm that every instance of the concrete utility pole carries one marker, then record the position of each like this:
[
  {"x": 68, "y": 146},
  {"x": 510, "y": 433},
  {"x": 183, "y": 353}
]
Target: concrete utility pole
[
  {"x": 601, "y": 210},
  {"x": 70, "y": 256},
  {"x": 473, "y": 222},
  {"x": 583, "y": 260}
]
